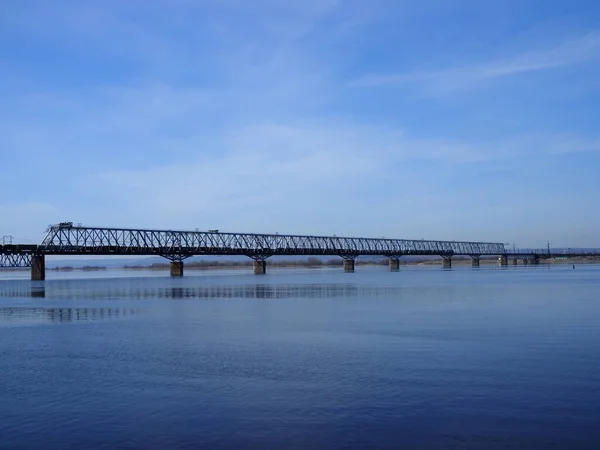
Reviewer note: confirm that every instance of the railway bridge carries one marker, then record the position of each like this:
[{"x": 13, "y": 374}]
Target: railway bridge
[{"x": 176, "y": 246}]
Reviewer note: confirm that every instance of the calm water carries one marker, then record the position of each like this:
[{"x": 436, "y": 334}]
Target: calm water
[{"x": 425, "y": 358}]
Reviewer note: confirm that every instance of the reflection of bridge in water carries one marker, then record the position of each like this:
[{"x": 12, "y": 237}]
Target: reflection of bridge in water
[
  {"x": 40, "y": 314},
  {"x": 268, "y": 291}
]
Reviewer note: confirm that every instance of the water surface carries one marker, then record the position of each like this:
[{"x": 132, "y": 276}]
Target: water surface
[{"x": 426, "y": 358}]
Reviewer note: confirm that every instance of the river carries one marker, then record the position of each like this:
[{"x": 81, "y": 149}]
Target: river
[{"x": 425, "y": 358}]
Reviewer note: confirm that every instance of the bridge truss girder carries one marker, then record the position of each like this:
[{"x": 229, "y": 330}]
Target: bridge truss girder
[
  {"x": 62, "y": 240},
  {"x": 15, "y": 260}
]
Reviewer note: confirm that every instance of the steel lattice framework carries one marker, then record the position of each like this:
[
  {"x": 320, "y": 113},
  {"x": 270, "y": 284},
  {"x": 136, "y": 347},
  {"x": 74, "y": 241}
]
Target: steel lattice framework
[
  {"x": 15, "y": 260},
  {"x": 61, "y": 240}
]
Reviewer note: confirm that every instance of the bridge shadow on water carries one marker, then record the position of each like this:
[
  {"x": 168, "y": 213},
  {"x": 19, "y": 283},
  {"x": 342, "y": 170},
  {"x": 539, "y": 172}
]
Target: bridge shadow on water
[
  {"x": 25, "y": 315},
  {"x": 85, "y": 292},
  {"x": 144, "y": 292}
]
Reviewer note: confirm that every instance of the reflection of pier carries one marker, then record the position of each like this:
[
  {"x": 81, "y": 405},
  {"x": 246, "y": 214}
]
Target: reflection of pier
[
  {"x": 25, "y": 314},
  {"x": 274, "y": 291},
  {"x": 331, "y": 290}
]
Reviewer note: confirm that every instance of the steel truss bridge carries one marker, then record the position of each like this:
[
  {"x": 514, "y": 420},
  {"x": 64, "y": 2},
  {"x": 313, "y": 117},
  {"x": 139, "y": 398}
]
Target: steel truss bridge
[
  {"x": 67, "y": 239},
  {"x": 177, "y": 245}
]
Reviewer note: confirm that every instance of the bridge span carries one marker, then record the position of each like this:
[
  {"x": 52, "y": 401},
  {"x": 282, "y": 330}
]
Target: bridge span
[{"x": 176, "y": 246}]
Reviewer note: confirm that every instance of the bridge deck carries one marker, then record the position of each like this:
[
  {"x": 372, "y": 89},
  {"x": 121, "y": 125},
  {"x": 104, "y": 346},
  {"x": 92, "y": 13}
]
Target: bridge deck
[{"x": 18, "y": 248}]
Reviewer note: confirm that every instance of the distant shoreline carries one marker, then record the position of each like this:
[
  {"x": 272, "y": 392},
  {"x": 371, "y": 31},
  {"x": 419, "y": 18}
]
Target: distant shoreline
[
  {"x": 212, "y": 265},
  {"x": 215, "y": 265}
]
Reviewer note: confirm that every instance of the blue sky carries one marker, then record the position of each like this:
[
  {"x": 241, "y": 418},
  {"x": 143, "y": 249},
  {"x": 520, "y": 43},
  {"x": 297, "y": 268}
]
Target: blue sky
[{"x": 440, "y": 119}]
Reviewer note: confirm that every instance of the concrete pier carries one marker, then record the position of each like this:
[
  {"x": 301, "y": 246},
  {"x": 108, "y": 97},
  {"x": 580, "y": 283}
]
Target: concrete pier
[
  {"x": 525, "y": 261},
  {"x": 260, "y": 267},
  {"x": 38, "y": 267},
  {"x": 474, "y": 261},
  {"x": 176, "y": 268},
  {"x": 394, "y": 264},
  {"x": 447, "y": 262},
  {"x": 504, "y": 260},
  {"x": 515, "y": 262},
  {"x": 348, "y": 265}
]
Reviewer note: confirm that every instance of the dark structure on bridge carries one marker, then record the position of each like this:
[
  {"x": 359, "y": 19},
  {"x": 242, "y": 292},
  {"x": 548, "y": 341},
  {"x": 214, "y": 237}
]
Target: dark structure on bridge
[{"x": 67, "y": 239}]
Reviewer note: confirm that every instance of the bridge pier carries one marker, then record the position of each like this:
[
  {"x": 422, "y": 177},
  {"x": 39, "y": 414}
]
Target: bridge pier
[
  {"x": 515, "y": 262},
  {"x": 394, "y": 264},
  {"x": 260, "y": 266},
  {"x": 348, "y": 265},
  {"x": 475, "y": 260},
  {"x": 525, "y": 261},
  {"x": 446, "y": 262},
  {"x": 503, "y": 260},
  {"x": 38, "y": 267},
  {"x": 176, "y": 268}
]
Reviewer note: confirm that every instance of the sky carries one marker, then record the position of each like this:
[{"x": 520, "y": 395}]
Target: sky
[{"x": 437, "y": 119}]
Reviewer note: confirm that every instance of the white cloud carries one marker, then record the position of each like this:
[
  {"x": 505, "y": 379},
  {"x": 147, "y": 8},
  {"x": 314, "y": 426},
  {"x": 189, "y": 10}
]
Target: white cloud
[
  {"x": 570, "y": 52},
  {"x": 313, "y": 177}
]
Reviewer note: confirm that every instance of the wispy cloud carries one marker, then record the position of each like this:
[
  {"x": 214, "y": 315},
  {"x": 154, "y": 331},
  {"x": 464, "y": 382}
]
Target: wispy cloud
[
  {"x": 234, "y": 115},
  {"x": 323, "y": 170},
  {"x": 568, "y": 53}
]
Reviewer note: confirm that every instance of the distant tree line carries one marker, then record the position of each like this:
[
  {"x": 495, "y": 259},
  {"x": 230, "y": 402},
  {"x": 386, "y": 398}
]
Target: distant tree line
[
  {"x": 70, "y": 268},
  {"x": 309, "y": 262}
]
